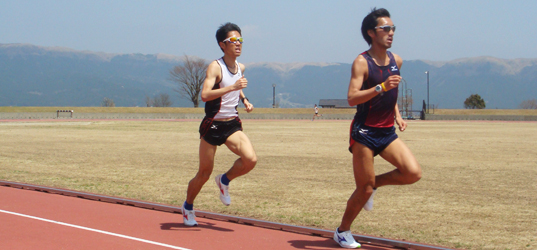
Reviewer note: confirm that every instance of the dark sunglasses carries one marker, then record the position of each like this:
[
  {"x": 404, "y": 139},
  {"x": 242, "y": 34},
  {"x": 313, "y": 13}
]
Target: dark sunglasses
[{"x": 386, "y": 28}]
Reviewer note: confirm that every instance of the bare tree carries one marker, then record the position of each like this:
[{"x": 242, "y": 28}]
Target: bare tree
[
  {"x": 108, "y": 102},
  {"x": 529, "y": 104},
  {"x": 162, "y": 100},
  {"x": 148, "y": 101},
  {"x": 189, "y": 76}
]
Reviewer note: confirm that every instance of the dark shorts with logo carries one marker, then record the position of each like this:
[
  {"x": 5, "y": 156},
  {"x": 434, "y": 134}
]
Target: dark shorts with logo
[
  {"x": 217, "y": 132},
  {"x": 376, "y": 139}
]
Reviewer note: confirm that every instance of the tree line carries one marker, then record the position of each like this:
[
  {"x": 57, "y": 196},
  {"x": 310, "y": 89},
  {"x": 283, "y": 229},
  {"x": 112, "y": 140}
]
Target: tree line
[
  {"x": 190, "y": 74},
  {"x": 476, "y": 102},
  {"x": 160, "y": 100}
]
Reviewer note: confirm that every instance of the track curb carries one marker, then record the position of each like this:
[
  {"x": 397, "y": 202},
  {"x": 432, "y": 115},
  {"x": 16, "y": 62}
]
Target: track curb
[{"x": 214, "y": 216}]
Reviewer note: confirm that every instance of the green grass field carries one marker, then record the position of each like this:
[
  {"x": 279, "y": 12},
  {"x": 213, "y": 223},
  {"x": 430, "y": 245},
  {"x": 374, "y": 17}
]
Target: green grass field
[{"x": 477, "y": 191}]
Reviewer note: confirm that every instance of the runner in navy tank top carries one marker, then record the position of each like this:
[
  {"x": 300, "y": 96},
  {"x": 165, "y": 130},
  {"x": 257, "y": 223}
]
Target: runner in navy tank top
[
  {"x": 374, "y": 112},
  {"x": 373, "y": 89}
]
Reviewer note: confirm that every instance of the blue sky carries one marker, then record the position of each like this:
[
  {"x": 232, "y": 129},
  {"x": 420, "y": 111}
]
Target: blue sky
[{"x": 275, "y": 31}]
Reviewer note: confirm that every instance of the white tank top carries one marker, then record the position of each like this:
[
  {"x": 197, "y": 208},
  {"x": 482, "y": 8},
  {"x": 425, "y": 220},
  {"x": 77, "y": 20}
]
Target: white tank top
[{"x": 225, "y": 106}]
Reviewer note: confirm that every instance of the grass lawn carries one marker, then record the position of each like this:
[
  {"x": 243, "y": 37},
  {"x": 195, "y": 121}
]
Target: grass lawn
[{"x": 477, "y": 191}]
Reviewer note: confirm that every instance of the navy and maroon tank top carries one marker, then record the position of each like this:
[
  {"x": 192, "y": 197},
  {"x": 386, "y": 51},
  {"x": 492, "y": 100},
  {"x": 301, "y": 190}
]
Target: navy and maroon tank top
[{"x": 379, "y": 111}]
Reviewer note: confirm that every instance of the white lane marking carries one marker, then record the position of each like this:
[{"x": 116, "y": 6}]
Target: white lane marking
[{"x": 94, "y": 230}]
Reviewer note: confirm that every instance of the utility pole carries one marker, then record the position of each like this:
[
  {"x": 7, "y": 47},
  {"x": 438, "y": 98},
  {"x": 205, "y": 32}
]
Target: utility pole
[
  {"x": 427, "y": 72},
  {"x": 273, "y": 95}
]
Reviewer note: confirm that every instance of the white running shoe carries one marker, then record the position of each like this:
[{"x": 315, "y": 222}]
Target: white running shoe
[
  {"x": 189, "y": 218},
  {"x": 345, "y": 239},
  {"x": 369, "y": 204},
  {"x": 224, "y": 194}
]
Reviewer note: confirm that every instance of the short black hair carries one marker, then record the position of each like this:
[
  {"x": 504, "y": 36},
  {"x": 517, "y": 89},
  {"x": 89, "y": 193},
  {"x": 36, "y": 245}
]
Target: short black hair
[
  {"x": 370, "y": 22},
  {"x": 221, "y": 33}
]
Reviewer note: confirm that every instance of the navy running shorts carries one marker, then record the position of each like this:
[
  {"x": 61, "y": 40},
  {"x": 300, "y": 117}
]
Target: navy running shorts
[
  {"x": 376, "y": 139},
  {"x": 217, "y": 132}
]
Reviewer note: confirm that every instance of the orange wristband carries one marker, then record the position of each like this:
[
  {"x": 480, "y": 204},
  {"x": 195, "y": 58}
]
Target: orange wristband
[{"x": 383, "y": 87}]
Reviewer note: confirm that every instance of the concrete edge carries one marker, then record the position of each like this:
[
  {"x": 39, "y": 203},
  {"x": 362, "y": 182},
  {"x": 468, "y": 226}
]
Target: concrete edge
[{"x": 145, "y": 116}]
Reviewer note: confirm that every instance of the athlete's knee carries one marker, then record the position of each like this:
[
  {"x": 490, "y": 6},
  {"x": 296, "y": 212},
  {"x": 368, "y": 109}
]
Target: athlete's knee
[
  {"x": 368, "y": 188},
  {"x": 366, "y": 183},
  {"x": 249, "y": 162},
  {"x": 361, "y": 194},
  {"x": 416, "y": 176},
  {"x": 203, "y": 175},
  {"x": 413, "y": 175}
]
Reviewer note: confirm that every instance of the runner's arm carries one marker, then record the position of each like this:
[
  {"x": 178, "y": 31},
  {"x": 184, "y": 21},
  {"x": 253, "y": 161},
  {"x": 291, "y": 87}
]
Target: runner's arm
[
  {"x": 355, "y": 95},
  {"x": 212, "y": 76},
  {"x": 398, "y": 119},
  {"x": 249, "y": 107}
]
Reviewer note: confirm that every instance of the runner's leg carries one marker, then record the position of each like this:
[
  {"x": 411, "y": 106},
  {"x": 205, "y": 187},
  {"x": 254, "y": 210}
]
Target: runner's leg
[
  {"x": 206, "y": 158},
  {"x": 408, "y": 170},
  {"x": 240, "y": 144},
  {"x": 364, "y": 176}
]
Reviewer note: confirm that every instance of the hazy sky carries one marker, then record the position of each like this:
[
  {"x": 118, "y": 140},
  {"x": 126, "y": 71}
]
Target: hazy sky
[{"x": 275, "y": 31}]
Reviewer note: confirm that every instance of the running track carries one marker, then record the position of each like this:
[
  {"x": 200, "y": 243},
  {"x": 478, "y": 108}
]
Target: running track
[
  {"x": 44, "y": 220},
  {"x": 41, "y": 220}
]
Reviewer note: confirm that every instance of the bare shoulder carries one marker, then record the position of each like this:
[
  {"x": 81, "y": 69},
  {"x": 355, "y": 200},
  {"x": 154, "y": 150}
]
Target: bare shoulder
[
  {"x": 213, "y": 69},
  {"x": 213, "y": 74},
  {"x": 398, "y": 60},
  {"x": 359, "y": 65},
  {"x": 213, "y": 65},
  {"x": 360, "y": 59},
  {"x": 243, "y": 68}
]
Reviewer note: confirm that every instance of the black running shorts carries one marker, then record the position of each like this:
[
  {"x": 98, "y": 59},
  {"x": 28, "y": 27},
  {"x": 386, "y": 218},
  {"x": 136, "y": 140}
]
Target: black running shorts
[{"x": 217, "y": 132}]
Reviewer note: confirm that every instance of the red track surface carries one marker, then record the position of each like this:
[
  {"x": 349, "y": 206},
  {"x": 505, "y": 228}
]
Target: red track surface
[{"x": 84, "y": 217}]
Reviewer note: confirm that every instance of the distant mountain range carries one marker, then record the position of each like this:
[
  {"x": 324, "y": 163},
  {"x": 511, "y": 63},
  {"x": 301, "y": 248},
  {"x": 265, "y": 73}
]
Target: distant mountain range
[{"x": 50, "y": 76}]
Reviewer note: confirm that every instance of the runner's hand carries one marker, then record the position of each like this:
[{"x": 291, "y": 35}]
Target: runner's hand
[
  {"x": 248, "y": 106},
  {"x": 392, "y": 82},
  {"x": 240, "y": 84},
  {"x": 401, "y": 123}
]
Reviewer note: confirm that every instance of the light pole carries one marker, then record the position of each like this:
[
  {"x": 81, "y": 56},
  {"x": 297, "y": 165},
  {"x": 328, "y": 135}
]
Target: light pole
[
  {"x": 273, "y": 95},
  {"x": 427, "y": 72}
]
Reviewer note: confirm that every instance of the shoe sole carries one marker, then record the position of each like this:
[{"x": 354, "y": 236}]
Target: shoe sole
[
  {"x": 190, "y": 225},
  {"x": 348, "y": 247},
  {"x": 336, "y": 240}
]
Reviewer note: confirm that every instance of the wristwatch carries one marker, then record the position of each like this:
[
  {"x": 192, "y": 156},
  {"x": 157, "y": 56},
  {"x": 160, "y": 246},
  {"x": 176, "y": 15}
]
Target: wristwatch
[{"x": 378, "y": 88}]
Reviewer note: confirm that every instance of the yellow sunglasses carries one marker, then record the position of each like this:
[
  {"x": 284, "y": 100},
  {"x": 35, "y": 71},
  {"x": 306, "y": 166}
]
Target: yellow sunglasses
[{"x": 234, "y": 40}]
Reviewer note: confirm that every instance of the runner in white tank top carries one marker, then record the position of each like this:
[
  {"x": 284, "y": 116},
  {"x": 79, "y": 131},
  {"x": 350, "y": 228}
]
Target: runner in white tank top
[
  {"x": 222, "y": 89},
  {"x": 225, "y": 106}
]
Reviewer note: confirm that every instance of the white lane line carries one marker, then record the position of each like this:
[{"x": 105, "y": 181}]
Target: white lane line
[{"x": 95, "y": 230}]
